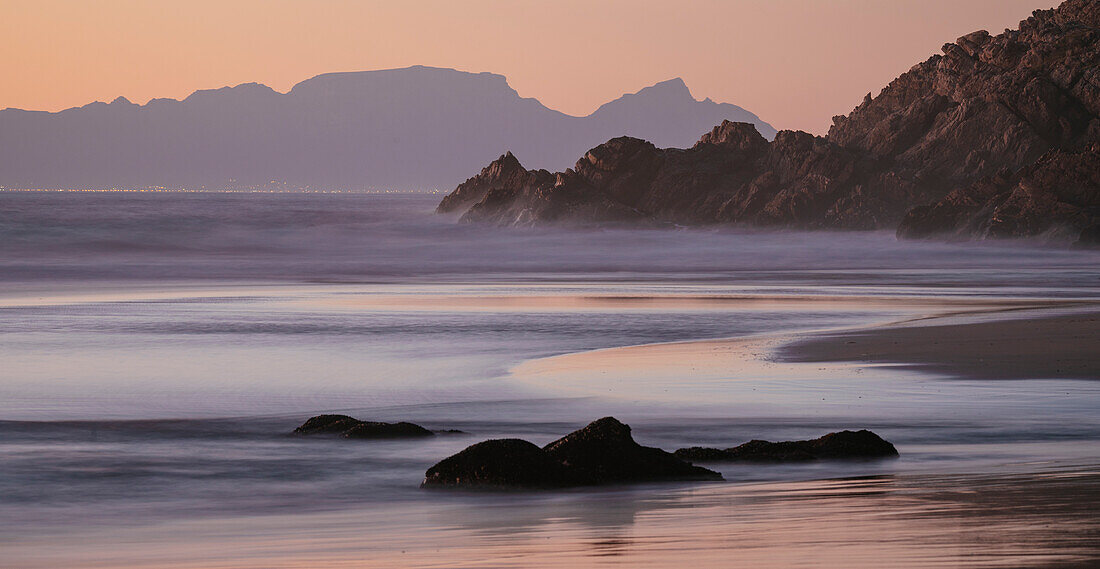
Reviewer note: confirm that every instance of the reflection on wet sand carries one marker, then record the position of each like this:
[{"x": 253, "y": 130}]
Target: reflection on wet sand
[
  {"x": 1035, "y": 520},
  {"x": 534, "y": 298}
]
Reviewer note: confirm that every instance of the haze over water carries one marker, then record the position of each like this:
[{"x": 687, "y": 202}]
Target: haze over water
[{"x": 158, "y": 350}]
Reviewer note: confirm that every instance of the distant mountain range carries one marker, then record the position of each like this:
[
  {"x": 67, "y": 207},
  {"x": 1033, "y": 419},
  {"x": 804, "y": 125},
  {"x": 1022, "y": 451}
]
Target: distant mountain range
[
  {"x": 998, "y": 136},
  {"x": 419, "y": 127}
]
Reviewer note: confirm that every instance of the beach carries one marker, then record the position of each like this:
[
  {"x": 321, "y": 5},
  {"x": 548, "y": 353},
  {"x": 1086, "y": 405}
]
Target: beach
[
  {"x": 1002, "y": 477},
  {"x": 149, "y": 390},
  {"x": 1002, "y": 346}
]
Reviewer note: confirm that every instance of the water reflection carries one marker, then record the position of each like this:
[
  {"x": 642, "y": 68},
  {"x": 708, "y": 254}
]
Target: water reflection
[{"x": 1037, "y": 520}]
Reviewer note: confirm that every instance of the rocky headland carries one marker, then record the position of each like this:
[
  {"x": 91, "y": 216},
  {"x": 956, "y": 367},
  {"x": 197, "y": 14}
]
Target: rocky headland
[{"x": 998, "y": 136}]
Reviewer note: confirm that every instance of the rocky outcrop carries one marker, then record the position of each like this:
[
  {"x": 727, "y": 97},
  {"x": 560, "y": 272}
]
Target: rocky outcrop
[
  {"x": 499, "y": 463},
  {"x": 604, "y": 452},
  {"x": 833, "y": 446},
  {"x": 732, "y": 174},
  {"x": 504, "y": 172},
  {"x": 502, "y": 195},
  {"x": 1058, "y": 196},
  {"x": 991, "y": 118},
  {"x": 352, "y": 428}
]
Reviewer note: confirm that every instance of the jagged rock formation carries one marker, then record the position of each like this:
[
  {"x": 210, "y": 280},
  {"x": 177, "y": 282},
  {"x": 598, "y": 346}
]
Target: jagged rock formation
[
  {"x": 978, "y": 117},
  {"x": 833, "y": 446},
  {"x": 1059, "y": 195},
  {"x": 603, "y": 452}
]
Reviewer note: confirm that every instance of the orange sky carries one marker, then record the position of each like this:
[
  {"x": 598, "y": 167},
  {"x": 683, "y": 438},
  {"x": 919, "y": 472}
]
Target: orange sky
[{"x": 796, "y": 63}]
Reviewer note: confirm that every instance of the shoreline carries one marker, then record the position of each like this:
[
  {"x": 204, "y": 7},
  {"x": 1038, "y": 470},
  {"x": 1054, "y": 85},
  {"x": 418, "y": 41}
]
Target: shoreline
[
  {"x": 916, "y": 521},
  {"x": 996, "y": 339},
  {"x": 873, "y": 367},
  {"x": 1022, "y": 346},
  {"x": 985, "y": 470}
]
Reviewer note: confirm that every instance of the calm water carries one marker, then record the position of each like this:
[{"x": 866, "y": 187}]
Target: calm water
[{"x": 157, "y": 350}]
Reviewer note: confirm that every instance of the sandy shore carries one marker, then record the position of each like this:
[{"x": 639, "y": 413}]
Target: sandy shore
[
  {"x": 1012, "y": 346},
  {"x": 836, "y": 371}
]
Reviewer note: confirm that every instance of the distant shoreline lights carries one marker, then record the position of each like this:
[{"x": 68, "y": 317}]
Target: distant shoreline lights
[{"x": 432, "y": 191}]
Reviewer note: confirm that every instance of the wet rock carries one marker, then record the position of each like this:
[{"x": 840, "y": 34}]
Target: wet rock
[
  {"x": 499, "y": 463},
  {"x": 833, "y": 446},
  {"x": 376, "y": 430},
  {"x": 604, "y": 452},
  {"x": 326, "y": 424},
  {"x": 353, "y": 428}
]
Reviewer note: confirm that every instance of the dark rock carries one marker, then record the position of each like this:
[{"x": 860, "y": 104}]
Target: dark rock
[
  {"x": 505, "y": 171},
  {"x": 1057, "y": 196},
  {"x": 355, "y": 429},
  {"x": 604, "y": 452},
  {"x": 1090, "y": 236},
  {"x": 601, "y": 453},
  {"x": 833, "y": 446},
  {"x": 326, "y": 424},
  {"x": 500, "y": 463},
  {"x": 375, "y": 430},
  {"x": 506, "y": 197},
  {"x": 945, "y": 146}
]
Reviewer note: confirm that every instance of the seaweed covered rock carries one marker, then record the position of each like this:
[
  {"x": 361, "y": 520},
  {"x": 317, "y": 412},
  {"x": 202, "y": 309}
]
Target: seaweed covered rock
[
  {"x": 604, "y": 452},
  {"x": 833, "y": 446}
]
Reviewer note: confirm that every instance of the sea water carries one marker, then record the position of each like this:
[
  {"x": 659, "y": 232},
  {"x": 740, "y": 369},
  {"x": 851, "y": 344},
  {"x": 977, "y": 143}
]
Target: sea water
[{"x": 156, "y": 351}]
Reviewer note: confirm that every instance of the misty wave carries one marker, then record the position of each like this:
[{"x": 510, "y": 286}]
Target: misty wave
[{"x": 396, "y": 236}]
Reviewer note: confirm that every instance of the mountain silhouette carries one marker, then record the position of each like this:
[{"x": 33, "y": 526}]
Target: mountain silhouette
[{"x": 413, "y": 128}]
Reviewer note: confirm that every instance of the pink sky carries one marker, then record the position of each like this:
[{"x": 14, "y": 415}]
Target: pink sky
[{"x": 796, "y": 63}]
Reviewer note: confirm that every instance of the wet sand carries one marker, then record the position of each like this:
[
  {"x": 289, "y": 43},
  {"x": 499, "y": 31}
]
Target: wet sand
[
  {"x": 999, "y": 339},
  {"x": 1030, "y": 502},
  {"x": 1014, "y": 346},
  {"x": 977, "y": 521}
]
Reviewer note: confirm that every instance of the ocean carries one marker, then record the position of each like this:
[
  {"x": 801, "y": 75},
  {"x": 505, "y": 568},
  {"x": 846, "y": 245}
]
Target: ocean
[{"x": 157, "y": 350}]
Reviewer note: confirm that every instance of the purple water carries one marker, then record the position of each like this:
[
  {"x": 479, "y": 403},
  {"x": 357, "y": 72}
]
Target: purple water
[{"x": 157, "y": 349}]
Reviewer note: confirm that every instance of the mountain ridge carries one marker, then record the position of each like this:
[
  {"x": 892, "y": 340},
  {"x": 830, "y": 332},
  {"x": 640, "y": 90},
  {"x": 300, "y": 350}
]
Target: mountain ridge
[{"x": 414, "y": 127}]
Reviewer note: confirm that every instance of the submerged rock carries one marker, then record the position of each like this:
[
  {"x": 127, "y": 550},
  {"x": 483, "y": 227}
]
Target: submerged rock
[
  {"x": 601, "y": 453},
  {"x": 833, "y": 446},
  {"x": 353, "y": 428}
]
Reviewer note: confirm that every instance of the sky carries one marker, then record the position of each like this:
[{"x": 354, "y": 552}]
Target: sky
[{"x": 796, "y": 63}]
